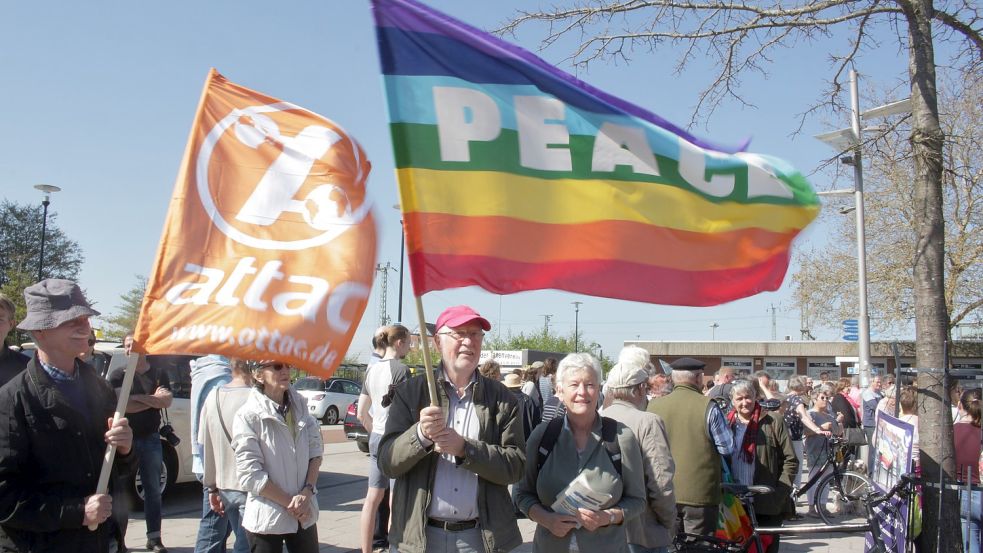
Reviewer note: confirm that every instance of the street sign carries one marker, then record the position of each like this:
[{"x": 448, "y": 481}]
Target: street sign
[{"x": 851, "y": 330}]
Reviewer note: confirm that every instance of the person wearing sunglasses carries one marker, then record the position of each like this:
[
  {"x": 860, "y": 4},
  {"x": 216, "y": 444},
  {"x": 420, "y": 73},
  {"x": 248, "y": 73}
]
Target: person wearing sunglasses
[
  {"x": 822, "y": 416},
  {"x": 452, "y": 464},
  {"x": 278, "y": 456}
]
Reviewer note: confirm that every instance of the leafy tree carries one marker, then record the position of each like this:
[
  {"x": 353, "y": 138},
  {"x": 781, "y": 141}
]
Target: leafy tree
[
  {"x": 13, "y": 288},
  {"x": 544, "y": 341},
  {"x": 20, "y": 244},
  {"x": 741, "y": 37},
  {"x": 125, "y": 318},
  {"x": 826, "y": 283}
]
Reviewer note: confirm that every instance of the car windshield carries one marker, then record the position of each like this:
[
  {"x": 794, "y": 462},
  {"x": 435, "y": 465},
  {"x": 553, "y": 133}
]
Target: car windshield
[{"x": 309, "y": 384}]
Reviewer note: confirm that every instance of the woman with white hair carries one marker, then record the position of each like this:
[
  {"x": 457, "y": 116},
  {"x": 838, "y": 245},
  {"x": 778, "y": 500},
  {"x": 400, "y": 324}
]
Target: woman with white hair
[
  {"x": 579, "y": 448},
  {"x": 278, "y": 455},
  {"x": 763, "y": 456}
]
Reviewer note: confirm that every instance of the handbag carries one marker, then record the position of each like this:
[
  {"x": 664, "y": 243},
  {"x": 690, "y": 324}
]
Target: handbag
[{"x": 854, "y": 436}]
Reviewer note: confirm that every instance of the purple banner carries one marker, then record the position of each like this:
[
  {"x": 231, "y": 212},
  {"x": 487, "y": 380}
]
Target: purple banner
[{"x": 892, "y": 445}]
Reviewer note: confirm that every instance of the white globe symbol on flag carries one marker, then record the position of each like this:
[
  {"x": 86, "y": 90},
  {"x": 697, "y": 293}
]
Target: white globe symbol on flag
[{"x": 326, "y": 206}]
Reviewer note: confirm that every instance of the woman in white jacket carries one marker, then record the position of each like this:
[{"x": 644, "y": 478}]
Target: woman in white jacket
[{"x": 278, "y": 455}]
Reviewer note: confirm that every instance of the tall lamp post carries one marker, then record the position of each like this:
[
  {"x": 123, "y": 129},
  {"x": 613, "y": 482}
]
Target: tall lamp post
[
  {"x": 576, "y": 321},
  {"x": 851, "y": 140},
  {"x": 46, "y": 189}
]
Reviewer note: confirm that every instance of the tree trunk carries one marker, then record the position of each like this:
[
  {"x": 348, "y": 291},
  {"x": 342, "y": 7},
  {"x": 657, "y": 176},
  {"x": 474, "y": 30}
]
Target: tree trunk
[{"x": 940, "y": 527}]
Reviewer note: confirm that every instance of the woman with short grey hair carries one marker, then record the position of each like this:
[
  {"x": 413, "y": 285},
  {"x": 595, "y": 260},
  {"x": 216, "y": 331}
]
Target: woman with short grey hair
[{"x": 762, "y": 455}]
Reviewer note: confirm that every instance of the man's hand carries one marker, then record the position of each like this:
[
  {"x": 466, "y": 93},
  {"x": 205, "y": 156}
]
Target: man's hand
[
  {"x": 215, "y": 503},
  {"x": 98, "y": 507},
  {"x": 449, "y": 441},
  {"x": 119, "y": 435},
  {"x": 431, "y": 421},
  {"x": 299, "y": 506}
]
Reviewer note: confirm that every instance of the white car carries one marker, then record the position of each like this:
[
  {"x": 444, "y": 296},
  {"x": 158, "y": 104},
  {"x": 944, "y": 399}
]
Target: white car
[{"x": 329, "y": 399}]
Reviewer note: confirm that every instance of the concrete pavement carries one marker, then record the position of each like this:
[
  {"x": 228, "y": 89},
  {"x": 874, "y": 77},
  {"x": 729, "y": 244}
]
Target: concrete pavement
[{"x": 341, "y": 491}]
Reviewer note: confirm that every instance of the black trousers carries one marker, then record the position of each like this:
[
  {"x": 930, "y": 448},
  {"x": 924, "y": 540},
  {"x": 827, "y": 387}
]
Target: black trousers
[{"x": 301, "y": 541}]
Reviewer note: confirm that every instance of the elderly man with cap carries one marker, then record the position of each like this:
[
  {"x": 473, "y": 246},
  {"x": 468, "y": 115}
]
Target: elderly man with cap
[
  {"x": 452, "y": 464},
  {"x": 57, "y": 419},
  {"x": 627, "y": 387},
  {"x": 698, "y": 437}
]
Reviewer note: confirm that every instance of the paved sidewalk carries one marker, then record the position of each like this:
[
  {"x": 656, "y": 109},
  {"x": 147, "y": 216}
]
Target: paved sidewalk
[{"x": 342, "y": 489}]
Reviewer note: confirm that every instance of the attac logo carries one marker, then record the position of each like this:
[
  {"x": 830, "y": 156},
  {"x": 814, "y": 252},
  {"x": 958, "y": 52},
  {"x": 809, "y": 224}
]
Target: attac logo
[{"x": 268, "y": 249}]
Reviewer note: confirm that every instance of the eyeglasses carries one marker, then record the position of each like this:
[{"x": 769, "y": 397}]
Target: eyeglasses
[
  {"x": 274, "y": 366},
  {"x": 474, "y": 335}
]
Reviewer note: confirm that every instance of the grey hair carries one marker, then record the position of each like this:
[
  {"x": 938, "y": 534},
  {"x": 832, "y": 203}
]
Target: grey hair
[
  {"x": 798, "y": 383},
  {"x": 743, "y": 386},
  {"x": 575, "y": 362},
  {"x": 827, "y": 388},
  {"x": 627, "y": 394},
  {"x": 685, "y": 377}
]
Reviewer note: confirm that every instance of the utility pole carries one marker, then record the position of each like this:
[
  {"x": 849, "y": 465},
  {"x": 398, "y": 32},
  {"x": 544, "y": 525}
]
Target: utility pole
[
  {"x": 774, "y": 324},
  {"x": 546, "y": 324},
  {"x": 384, "y": 291},
  {"x": 713, "y": 331},
  {"x": 576, "y": 320}
]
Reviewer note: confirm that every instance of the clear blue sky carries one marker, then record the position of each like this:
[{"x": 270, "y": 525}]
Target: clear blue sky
[{"x": 98, "y": 98}]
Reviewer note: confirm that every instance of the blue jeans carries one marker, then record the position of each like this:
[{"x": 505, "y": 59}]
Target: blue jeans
[
  {"x": 235, "y": 505},
  {"x": 970, "y": 507},
  {"x": 213, "y": 530},
  {"x": 150, "y": 457}
]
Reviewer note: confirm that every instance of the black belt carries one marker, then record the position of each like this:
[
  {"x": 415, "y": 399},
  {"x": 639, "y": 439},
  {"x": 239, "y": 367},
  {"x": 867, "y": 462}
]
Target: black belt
[{"x": 452, "y": 525}]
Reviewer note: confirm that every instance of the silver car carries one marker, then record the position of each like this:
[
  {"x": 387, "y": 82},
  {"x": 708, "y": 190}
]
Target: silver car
[{"x": 328, "y": 399}]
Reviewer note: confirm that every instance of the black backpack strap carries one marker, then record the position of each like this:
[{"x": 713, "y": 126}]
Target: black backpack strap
[
  {"x": 609, "y": 435},
  {"x": 552, "y": 433}
]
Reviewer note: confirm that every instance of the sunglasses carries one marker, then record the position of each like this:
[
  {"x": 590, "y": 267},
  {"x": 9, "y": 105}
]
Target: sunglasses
[{"x": 277, "y": 367}]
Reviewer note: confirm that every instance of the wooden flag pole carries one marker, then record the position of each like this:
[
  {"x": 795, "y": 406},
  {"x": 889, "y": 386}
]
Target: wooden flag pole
[
  {"x": 124, "y": 398},
  {"x": 425, "y": 344}
]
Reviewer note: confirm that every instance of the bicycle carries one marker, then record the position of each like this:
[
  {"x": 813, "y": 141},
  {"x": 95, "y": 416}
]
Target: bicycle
[
  {"x": 837, "y": 492},
  {"x": 880, "y": 510},
  {"x": 695, "y": 543}
]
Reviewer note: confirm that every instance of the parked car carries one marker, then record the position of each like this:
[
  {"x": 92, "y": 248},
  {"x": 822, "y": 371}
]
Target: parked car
[
  {"x": 328, "y": 399},
  {"x": 354, "y": 429}
]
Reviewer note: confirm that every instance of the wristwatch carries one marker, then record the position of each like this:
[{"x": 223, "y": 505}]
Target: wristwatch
[{"x": 311, "y": 487}]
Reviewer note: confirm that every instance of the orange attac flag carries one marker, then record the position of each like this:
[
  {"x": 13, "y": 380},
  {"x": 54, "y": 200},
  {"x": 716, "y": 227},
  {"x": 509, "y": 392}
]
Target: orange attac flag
[{"x": 269, "y": 245}]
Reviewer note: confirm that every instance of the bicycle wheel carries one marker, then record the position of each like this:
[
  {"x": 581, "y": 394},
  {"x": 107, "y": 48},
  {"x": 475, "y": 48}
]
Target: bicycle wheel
[{"x": 838, "y": 500}]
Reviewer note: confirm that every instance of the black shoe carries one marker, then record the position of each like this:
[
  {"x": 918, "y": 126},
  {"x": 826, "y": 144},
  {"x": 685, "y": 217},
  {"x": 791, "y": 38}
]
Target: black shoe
[{"x": 156, "y": 546}]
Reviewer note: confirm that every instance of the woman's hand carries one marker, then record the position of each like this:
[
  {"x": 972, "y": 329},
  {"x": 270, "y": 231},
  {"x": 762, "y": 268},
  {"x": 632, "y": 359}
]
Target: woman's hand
[
  {"x": 557, "y": 523},
  {"x": 299, "y": 506},
  {"x": 592, "y": 520}
]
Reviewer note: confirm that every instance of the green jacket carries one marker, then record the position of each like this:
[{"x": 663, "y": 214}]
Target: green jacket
[
  {"x": 497, "y": 457},
  {"x": 775, "y": 465}
]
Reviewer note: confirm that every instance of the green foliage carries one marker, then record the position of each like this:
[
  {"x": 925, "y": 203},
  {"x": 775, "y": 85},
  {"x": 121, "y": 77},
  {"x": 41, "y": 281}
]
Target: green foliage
[
  {"x": 125, "y": 317},
  {"x": 543, "y": 341},
  {"x": 415, "y": 357},
  {"x": 13, "y": 287},
  {"x": 20, "y": 245}
]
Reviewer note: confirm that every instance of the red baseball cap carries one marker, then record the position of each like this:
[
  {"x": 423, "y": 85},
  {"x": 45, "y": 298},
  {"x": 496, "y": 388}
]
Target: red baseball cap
[{"x": 460, "y": 315}]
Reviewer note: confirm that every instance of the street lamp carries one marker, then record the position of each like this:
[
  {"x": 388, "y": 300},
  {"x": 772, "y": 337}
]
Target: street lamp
[
  {"x": 46, "y": 189},
  {"x": 713, "y": 332},
  {"x": 576, "y": 320},
  {"x": 850, "y": 140}
]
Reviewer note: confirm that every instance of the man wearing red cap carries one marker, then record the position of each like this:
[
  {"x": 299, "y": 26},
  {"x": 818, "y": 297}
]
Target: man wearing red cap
[{"x": 444, "y": 458}]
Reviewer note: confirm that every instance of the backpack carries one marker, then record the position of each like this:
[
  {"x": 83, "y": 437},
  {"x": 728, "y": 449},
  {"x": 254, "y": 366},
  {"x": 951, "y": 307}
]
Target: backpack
[{"x": 609, "y": 437}]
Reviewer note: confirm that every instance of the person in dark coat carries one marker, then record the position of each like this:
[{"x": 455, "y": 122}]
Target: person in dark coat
[
  {"x": 11, "y": 362},
  {"x": 55, "y": 417}
]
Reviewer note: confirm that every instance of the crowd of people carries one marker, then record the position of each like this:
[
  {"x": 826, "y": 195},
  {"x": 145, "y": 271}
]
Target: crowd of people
[{"x": 616, "y": 464}]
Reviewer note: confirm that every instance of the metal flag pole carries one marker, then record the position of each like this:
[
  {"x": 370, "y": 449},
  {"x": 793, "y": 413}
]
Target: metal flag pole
[{"x": 124, "y": 398}]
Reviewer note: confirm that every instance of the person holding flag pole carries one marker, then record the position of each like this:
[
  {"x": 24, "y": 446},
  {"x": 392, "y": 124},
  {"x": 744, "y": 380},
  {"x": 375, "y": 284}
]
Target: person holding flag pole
[{"x": 56, "y": 413}]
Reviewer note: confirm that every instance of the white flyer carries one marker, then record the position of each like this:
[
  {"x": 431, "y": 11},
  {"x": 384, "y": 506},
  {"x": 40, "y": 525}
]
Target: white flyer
[{"x": 579, "y": 494}]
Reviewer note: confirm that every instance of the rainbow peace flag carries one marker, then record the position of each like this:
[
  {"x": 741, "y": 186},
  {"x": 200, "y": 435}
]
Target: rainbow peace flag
[{"x": 514, "y": 175}]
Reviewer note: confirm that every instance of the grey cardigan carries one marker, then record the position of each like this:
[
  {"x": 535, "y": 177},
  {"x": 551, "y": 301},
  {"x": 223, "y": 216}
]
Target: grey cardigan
[{"x": 563, "y": 465}]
